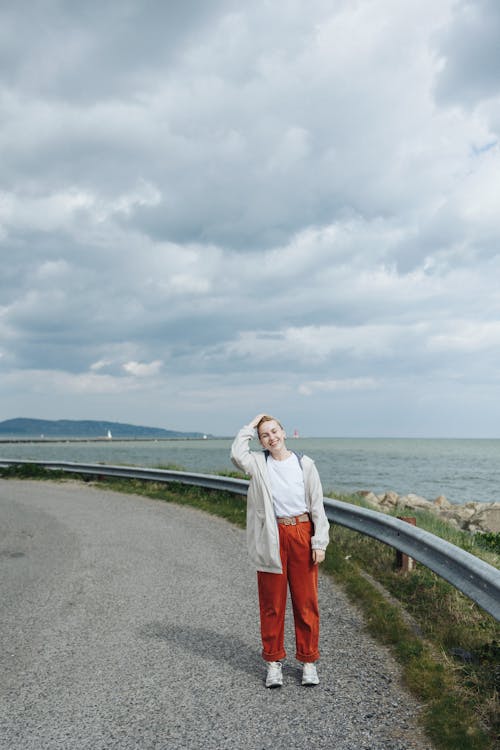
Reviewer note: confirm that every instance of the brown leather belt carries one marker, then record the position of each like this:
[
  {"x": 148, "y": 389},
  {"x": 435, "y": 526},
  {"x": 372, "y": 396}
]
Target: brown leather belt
[{"x": 293, "y": 520}]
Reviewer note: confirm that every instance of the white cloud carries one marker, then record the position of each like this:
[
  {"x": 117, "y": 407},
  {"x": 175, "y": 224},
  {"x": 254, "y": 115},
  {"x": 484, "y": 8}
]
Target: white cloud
[
  {"x": 100, "y": 365},
  {"x": 467, "y": 337},
  {"x": 314, "y": 344},
  {"x": 41, "y": 383},
  {"x": 43, "y": 212},
  {"x": 143, "y": 369},
  {"x": 327, "y": 386}
]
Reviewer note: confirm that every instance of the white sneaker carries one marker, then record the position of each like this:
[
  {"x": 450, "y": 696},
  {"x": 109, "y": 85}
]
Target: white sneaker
[
  {"x": 274, "y": 676},
  {"x": 309, "y": 674}
]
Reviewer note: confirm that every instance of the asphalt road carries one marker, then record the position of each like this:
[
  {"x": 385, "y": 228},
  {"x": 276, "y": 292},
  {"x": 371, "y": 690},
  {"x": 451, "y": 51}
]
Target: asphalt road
[{"x": 130, "y": 623}]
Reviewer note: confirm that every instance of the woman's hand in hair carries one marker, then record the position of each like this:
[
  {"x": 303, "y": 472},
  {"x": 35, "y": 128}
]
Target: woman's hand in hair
[{"x": 255, "y": 421}]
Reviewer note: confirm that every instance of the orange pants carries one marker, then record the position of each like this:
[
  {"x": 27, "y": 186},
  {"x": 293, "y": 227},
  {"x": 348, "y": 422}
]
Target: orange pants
[{"x": 301, "y": 575}]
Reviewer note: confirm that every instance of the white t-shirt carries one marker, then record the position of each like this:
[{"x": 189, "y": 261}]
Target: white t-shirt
[{"x": 287, "y": 485}]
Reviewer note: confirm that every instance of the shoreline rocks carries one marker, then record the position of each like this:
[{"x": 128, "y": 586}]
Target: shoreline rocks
[{"x": 473, "y": 517}]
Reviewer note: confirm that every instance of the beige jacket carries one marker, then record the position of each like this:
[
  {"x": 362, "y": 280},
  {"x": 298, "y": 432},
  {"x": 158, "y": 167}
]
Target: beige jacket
[{"x": 262, "y": 528}]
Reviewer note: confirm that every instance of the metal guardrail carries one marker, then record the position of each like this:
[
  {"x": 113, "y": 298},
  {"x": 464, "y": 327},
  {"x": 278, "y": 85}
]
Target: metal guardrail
[{"x": 475, "y": 578}]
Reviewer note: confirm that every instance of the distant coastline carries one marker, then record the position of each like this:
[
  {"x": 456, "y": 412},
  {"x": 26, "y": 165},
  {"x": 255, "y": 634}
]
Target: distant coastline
[
  {"x": 60, "y": 430},
  {"x": 63, "y": 440}
]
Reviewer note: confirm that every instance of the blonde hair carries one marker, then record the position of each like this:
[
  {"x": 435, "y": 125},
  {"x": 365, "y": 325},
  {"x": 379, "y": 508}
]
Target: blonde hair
[{"x": 267, "y": 418}]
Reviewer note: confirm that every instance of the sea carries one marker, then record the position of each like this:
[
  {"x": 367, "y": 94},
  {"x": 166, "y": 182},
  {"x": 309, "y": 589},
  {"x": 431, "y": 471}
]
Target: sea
[{"x": 461, "y": 470}]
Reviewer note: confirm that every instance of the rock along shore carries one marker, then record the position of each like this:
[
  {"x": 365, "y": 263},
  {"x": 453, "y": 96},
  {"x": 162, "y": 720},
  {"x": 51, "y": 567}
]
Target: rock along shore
[{"x": 473, "y": 517}]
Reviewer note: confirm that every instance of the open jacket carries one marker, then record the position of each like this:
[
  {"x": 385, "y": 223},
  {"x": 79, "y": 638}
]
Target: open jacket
[{"x": 262, "y": 527}]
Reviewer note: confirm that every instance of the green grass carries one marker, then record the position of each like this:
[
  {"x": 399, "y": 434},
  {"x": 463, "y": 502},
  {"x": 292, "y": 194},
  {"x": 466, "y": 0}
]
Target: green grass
[
  {"x": 216, "y": 502},
  {"x": 490, "y": 541},
  {"x": 31, "y": 471},
  {"x": 453, "y": 664},
  {"x": 448, "y": 648}
]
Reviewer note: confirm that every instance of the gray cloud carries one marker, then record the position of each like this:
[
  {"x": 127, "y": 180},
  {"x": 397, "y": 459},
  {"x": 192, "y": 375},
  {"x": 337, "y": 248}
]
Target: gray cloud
[
  {"x": 470, "y": 53},
  {"x": 96, "y": 51},
  {"x": 210, "y": 209}
]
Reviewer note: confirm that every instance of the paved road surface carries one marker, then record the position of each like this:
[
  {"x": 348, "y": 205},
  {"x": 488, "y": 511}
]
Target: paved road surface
[{"x": 130, "y": 623}]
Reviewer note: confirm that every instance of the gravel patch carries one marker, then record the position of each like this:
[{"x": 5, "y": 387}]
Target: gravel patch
[{"x": 132, "y": 623}]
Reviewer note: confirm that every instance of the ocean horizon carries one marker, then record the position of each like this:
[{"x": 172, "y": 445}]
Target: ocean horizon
[{"x": 462, "y": 469}]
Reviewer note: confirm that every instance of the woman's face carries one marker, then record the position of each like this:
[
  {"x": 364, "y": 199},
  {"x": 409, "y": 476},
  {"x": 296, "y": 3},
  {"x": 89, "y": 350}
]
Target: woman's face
[{"x": 272, "y": 436}]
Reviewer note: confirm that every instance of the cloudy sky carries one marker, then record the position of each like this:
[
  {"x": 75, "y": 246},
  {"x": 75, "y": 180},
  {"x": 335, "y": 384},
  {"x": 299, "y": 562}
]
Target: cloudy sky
[{"x": 212, "y": 208}]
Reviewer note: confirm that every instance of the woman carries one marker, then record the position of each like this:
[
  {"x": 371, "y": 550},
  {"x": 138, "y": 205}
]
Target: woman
[{"x": 287, "y": 534}]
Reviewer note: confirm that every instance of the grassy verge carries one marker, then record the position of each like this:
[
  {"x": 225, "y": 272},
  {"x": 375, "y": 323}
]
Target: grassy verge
[{"x": 449, "y": 649}]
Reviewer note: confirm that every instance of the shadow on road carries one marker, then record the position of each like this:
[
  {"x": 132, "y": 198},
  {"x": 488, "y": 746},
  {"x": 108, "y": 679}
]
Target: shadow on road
[{"x": 210, "y": 644}]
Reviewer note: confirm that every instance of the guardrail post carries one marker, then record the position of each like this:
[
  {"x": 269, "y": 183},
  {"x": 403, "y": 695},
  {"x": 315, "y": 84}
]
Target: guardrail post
[{"x": 405, "y": 563}]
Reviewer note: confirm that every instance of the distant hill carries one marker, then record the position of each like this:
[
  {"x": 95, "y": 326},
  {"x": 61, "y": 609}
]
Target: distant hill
[{"x": 86, "y": 428}]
